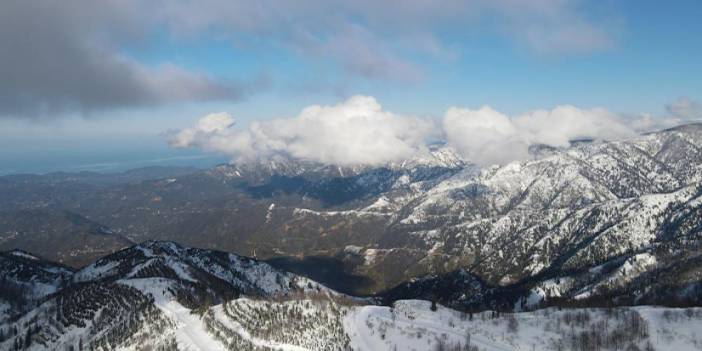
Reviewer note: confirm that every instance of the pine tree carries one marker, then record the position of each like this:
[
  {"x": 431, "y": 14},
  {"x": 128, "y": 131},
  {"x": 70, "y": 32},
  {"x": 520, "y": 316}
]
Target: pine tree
[{"x": 28, "y": 338}]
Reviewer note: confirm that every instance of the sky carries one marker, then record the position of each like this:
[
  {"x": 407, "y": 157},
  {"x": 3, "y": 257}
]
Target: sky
[{"x": 117, "y": 84}]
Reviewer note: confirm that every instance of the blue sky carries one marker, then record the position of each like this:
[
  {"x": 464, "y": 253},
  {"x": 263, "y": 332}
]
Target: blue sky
[
  {"x": 655, "y": 57},
  {"x": 629, "y": 57}
]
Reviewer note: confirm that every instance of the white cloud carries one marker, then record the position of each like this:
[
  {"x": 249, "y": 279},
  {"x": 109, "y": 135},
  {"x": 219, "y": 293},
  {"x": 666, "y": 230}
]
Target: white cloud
[
  {"x": 685, "y": 109},
  {"x": 554, "y": 27},
  {"x": 356, "y": 131},
  {"x": 485, "y": 136},
  {"x": 681, "y": 111},
  {"x": 214, "y": 123},
  {"x": 559, "y": 126}
]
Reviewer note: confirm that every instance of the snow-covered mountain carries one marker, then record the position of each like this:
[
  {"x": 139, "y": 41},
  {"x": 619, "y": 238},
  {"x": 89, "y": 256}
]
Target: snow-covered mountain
[
  {"x": 585, "y": 211},
  {"x": 193, "y": 266},
  {"x": 438, "y": 156},
  {"x": 26, "y": 279},
  {"x": 568, "y": 212},
  {"x": 164, "y": 296},
  {"x": 135, "y": 297}
]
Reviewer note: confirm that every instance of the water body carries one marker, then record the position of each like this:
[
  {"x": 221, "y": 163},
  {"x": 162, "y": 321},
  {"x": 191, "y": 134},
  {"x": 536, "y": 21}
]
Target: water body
[{"x": 101, "y": 159}]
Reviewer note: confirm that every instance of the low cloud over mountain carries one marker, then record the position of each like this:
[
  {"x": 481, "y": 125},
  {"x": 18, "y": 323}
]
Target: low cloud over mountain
[
  {"x": 358, "y": 131},
  {"x": 486, "y": 136}
]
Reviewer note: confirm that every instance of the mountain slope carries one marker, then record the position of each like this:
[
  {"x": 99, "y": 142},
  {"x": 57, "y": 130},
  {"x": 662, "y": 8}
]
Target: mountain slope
[
  {"x": 139, "y": 296},
  {"x": 165, "y": 296},
  {"x": 26, "y": 279},
  {"x": 568, "y": 210}
]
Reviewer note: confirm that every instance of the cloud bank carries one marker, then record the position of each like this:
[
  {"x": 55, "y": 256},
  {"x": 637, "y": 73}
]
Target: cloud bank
[{"x": 356, "y": 131}]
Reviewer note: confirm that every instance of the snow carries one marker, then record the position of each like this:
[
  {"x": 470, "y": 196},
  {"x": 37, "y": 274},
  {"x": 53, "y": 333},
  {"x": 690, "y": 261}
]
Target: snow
[
  {"x": 679, "y": 332},
  {"x": 269, "y": 213},
  {"x": 23, "y": 255},
  {"x": 180, "y": 269},
  {"x": 5, "y": 310},
  {"x": 628, "y": 271},
  {"x": 359, "y": 213},
  {"x": 261, "y": 275},
  {"x": 190, "y": 332},
  {"x": 239, "y": 329},
  {"x": 95, "y": 271},
  {"x": 382, "y": 203},
  {"x": 412, "y": 326},
  {"x": 409, "y": 325},
  {"x": 353, "y": 249},
  {"x": 369, "y": 256}
]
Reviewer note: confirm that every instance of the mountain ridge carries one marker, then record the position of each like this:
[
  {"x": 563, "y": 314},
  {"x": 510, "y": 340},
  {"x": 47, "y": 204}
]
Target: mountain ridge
[
  {"x": 570, "y": 209},
  {"x": 162, "y": 295}
]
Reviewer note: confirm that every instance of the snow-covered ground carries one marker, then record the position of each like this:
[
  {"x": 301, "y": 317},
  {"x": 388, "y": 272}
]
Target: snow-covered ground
[
  {"x": 413, "y": 326},
  {"x": 322, "y": 321}
]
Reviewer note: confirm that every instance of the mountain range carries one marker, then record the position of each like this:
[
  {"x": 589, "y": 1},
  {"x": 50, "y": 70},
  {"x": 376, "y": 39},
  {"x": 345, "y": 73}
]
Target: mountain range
[
  {"x": 595, "y": 223},
  {"x": 562, "y": 211}
]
